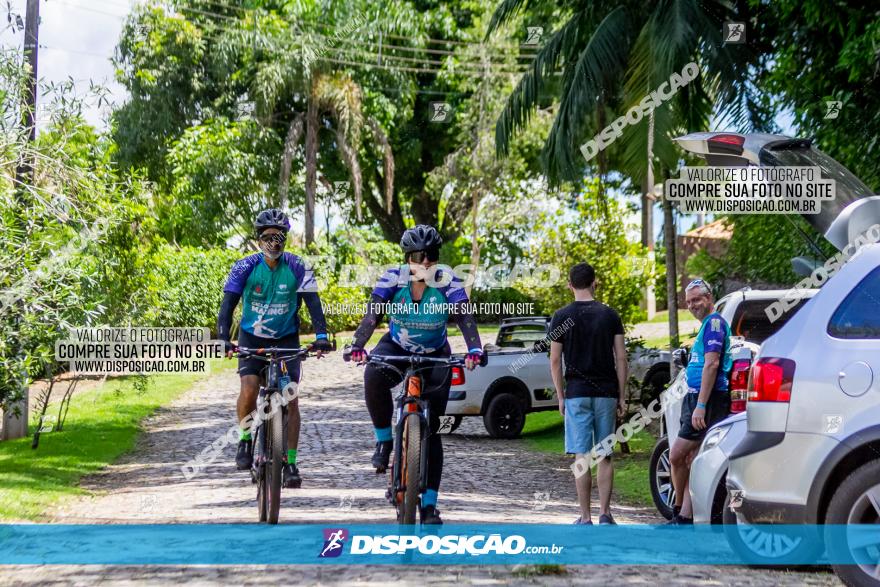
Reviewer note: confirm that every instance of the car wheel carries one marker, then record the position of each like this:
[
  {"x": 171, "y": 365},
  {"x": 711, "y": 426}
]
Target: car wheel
[
  {"x": 653, "y": 386},
  {"x": 505, "y": 416},
  {"x": 758, "y": 547},
  {"x": 855, "y": 502},
  {"x": 660, "y": 473}
]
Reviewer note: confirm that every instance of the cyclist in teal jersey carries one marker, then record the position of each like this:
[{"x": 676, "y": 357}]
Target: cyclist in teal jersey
[
  {"x": 271, "y": 285},
  {"x": 421, "y": 298}
]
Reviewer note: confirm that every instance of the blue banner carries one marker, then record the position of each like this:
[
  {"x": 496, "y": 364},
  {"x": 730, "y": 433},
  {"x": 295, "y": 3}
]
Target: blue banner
[{"x": 226, "y": 544}]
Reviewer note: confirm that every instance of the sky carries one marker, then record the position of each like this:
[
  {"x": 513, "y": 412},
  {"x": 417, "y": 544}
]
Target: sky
[{"x": 77, "y": 38}]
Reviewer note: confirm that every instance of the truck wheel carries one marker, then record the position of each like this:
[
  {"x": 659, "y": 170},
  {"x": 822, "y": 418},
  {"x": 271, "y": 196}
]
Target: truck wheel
[
  {"x": 856, "y": 502},
  {"x": 660, "y": 477},
  {"x": 505, "y": 416},
  {"x": 653, "y": 386}
]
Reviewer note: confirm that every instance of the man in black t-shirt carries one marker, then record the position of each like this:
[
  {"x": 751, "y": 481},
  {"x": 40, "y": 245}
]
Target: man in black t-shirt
[{"x": 588, "y": 335}]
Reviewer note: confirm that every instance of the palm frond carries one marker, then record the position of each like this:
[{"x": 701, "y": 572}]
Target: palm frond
[
  {"x": 504, "y": 13},
  {"x": 525, "y": 96},
  {"x": 594, "y": 74}
]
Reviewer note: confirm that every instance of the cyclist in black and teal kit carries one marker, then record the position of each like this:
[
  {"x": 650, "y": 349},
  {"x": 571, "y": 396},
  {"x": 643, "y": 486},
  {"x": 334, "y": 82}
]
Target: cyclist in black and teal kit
[
  {"x": 271, "y": 284},
  {"x": 413, "y": 331}
]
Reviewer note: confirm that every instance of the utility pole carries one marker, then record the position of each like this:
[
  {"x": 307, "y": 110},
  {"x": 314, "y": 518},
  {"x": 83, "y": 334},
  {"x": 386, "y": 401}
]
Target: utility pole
[
  {"x": 25, "y": 169},
  {"x": 15, "y": 426}
]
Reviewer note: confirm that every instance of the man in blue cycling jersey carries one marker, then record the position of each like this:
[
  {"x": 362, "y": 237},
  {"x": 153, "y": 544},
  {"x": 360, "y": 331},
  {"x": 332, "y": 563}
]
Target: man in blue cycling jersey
[
  {"x": 271, "y": 284},
  {"x": 417, "y": 325},
  {"x": 708, "y": 398}
]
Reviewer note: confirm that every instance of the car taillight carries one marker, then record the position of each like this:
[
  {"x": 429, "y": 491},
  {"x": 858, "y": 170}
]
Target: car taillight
[
  {"x": 771, "y": 380},
  {"x": 457, "y": 376},
  {"x": 739, "y": 385},
  {"x": 726, "y": 143}
]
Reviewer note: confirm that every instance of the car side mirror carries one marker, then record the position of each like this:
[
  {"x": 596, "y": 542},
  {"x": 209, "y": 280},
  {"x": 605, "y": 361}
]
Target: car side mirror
[
  {"x": 540, "y": 347},
  {"x": 679, "y": 358}
]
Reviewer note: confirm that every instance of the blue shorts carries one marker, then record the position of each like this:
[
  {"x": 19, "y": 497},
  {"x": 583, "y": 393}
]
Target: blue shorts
[{"x": 587, "y": 421}]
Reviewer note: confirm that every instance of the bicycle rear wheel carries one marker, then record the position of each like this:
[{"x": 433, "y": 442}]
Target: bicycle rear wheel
[
  {"x": 411, "y": 462},
  {"x": 275, "y": 438}
]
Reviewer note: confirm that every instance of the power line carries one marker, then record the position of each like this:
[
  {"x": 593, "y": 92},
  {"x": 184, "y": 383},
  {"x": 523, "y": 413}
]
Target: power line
[
  {"x": 89, "y": 9},
  {"x": 388, "y": 66},
  {"x": 78, "y": 51},
  {"x": 463, "y": 67},
  {"x": 381, "y": 46},
  {"x": 276, "y": 43},
  {"x": 428, "y": 40},
  {"x": 463, "y": 71}
]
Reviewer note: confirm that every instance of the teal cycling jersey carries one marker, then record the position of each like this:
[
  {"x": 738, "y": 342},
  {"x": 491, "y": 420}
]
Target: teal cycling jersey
[
  {"x": 270, "y": 297},
  {"x": 418, "y": 327},
  {"x": 713, "y": 337}
]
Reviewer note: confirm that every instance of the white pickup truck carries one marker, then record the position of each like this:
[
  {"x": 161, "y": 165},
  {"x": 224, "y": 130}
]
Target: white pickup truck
[{"x": 517, "y": 381}]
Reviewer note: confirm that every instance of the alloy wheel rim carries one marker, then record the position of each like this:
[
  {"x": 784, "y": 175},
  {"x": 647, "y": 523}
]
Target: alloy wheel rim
[
  {"x": 664, "y": 480},
  {"x": 866, "y": 510}
]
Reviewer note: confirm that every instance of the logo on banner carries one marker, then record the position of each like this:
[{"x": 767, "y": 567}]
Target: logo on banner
[{"x": 333, "y": 541}]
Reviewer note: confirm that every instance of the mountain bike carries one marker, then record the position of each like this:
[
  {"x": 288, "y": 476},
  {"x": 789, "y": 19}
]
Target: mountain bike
[
  {"x": 409, "y": 462},
  {"x": 269, "y": 443}
]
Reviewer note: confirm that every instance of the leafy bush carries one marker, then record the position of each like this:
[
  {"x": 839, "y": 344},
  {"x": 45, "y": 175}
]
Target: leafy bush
[
  {"x": 761, "y": 250},
  {"x": 338, "y": 319},
  {"x": 505, "y": 295},
  {"x": 595, "y": 235},
  {"x": 187, "y": 285}
]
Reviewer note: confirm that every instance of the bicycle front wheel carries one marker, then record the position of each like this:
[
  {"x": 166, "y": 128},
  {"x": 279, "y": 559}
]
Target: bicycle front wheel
[
  {"x": 411, "y": 475},
  {"x": 262, "y": 497},
  {"x": 275, "y": 439}
]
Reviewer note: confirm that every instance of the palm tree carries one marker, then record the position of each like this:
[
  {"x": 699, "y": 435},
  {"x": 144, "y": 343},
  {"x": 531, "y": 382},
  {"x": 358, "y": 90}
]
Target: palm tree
[{"x": 611, "y": 54}]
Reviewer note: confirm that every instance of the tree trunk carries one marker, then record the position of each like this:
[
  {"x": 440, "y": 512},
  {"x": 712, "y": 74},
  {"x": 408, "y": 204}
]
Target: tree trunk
[
  {"x": 43, "y": 402},
  {"x": 671, "y": 272},
  {"x": 294, "y": 132},
  {"x": 312, "y": 121},
  {"x": 648, "y": 200},
  {"x": 475, "y": 246},
  {"x": 390, "y": 223},
  {"x": 350, "y": 158},
  {"x": 387, "y": 162}
]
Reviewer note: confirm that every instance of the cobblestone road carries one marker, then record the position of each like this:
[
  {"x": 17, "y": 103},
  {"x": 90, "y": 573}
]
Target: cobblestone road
[{"x": 485, "y": 481}]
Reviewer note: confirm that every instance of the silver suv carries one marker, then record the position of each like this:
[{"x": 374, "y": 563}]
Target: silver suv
[{"x": 811, "y": 454}]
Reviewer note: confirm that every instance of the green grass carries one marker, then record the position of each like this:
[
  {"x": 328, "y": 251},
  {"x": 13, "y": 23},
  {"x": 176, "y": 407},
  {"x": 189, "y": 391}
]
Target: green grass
[
  {"x": 662, "y": 342},
  {"x": 101, "y": 425},
  {"x": 544, "y": 431},
  {"x": 488, "y": 332},
  {"x": 663, "y": 316}
]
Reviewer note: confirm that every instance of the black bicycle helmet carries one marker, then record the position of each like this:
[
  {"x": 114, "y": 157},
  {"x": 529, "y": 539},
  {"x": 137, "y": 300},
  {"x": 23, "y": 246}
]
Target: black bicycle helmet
[
  {"x": 271, "y": 218},
  {"x": 420, "y": 238}
]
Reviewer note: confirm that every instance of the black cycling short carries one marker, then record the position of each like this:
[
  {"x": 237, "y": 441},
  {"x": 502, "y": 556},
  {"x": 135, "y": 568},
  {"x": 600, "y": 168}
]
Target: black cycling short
[
  {"x": 254, "y": 365},
  {"x": 717, "y": 408}
]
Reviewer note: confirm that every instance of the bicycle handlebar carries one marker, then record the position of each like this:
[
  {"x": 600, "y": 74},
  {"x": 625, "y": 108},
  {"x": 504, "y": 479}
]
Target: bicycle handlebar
[
  {"x": 416, "y": 360},
  {"x": 266, "y": 353}
]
